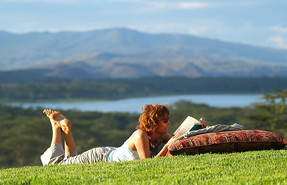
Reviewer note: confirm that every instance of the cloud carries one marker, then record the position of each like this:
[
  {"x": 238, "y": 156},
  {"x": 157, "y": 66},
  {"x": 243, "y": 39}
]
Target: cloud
[
  {"x": 279, "y": 41},
  {"x": 279, "y": 29},
  {"x": 180, "y": 5},
  {"x": 199, "y": 29},
  {"x": 126, "y": 1},
  {"x": 193, "y": 5},
  {"x": 279, "y": 38}
]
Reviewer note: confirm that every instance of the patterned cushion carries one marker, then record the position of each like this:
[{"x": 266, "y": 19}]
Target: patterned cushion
[{"x": 229, "y": 141}]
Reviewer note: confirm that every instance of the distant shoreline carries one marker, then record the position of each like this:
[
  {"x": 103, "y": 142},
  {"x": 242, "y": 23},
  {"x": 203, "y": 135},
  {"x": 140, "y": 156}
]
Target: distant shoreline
[
  {"x": 135, "y": 104},
  {"x": 109, "y": 100}
]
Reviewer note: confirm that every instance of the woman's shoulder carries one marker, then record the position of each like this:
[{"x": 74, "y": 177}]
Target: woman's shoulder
[
  {"x": 139, "y": 133},
  {"x": 136, "y": 137}
]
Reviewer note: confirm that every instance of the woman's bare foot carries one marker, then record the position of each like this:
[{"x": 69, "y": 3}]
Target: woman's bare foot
[
  {"x": 59, "y": 119},
  {"x": 48, "y": 113},
  {"x": 62, "y": 120}
]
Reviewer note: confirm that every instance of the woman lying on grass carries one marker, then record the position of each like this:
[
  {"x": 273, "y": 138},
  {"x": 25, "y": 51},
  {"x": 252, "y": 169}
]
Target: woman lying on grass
[{"x": 143, "y": 143}]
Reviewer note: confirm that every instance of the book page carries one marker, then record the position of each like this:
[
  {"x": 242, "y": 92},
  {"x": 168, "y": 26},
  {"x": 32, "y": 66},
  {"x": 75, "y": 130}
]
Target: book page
[{"x": 186, "y": 125}]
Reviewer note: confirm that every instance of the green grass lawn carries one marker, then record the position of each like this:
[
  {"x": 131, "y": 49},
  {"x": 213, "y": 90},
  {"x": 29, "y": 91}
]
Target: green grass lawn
[{"x": 256, "y": 167}]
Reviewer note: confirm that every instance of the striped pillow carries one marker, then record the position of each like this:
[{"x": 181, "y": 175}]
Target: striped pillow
[{"x": 226, "y": 142}]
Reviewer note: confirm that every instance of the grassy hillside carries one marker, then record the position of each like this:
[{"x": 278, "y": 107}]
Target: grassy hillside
[{"x": 256, "y": 167}]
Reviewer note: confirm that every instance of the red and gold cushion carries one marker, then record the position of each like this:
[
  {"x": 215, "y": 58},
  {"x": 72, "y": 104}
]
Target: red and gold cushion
[{"x": 226, "y": 142}]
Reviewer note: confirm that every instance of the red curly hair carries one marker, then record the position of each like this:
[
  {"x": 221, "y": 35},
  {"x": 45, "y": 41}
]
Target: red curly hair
[{"x": 151, "y": 116}]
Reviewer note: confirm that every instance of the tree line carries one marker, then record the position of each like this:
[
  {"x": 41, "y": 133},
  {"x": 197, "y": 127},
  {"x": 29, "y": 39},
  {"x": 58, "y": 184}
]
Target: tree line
[{"x": 123, "y": 88}]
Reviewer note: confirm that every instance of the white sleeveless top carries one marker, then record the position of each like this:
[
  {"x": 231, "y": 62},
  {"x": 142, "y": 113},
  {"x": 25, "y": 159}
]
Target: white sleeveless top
[{"x": 123, "y": 153}]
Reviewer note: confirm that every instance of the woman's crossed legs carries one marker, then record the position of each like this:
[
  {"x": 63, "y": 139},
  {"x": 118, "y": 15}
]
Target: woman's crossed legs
[
  {"x": 55, "y": 154},
  {"x": 60, "y": 124}
]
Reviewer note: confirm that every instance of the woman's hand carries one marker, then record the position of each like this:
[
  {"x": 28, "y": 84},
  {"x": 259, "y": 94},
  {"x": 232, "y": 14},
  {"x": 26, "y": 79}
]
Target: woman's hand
[
  {"x": 172, "y": 139},
  {"x": 203, "y": 123},
  {"x": 164, "y": 149}
]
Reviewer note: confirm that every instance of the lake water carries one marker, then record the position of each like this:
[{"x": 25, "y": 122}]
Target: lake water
[{"x": 135, "y": 104}]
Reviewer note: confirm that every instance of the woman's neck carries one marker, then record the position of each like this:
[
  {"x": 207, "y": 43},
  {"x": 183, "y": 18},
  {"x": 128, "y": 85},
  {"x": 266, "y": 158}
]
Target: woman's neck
[{"x": 154, "y": 136}]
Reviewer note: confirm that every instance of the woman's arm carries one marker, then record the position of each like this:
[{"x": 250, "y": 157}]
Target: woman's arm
[
  {"x": 164, "y": 149},
  {"x": 141, "y": 144}
]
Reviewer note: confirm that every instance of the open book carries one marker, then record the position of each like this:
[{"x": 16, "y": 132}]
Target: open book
[{"x": 187, "y": 125}]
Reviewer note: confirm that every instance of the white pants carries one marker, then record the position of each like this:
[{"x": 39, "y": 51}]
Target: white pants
[{"x": 56, "y": 155}]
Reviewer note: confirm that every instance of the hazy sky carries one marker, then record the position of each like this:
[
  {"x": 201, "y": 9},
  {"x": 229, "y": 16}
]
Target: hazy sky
[{"x": 256, "y": 22}]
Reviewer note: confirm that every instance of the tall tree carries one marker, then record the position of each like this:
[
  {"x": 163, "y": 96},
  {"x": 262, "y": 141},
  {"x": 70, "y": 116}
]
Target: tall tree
[{"x": 271, "y": 113}]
